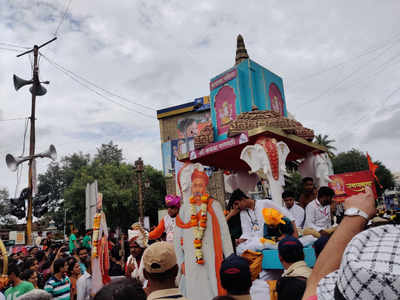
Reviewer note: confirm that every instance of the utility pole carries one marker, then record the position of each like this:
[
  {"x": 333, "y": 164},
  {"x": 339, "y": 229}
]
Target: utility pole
[
  {"x": 35, "y": 91},
  {"x": 32, "y": 145},
  {"x": 139, "y": 168}
]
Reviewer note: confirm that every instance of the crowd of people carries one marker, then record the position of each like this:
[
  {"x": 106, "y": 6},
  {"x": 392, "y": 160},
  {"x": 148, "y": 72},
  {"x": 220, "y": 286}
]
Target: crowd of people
[{"x": 353, "y": 261}]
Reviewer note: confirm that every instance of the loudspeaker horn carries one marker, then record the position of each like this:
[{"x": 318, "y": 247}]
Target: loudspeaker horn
[
  {"x": 38, "y": 89},
  {"x": 12, "y": 162},
  {"x": 50, "y": 153},
  {"x": 19, "y": 82}
]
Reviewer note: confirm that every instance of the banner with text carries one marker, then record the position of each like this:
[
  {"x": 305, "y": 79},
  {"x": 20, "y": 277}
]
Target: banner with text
[{"x": 351, "y": 183}]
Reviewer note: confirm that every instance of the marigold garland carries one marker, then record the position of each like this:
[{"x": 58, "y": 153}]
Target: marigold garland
[
  {"x": 199, "y": 225},
  {"x": 96, "y": 232}
]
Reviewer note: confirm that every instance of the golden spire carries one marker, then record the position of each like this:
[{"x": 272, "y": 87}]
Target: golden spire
[{"x": 241, "y": 52}]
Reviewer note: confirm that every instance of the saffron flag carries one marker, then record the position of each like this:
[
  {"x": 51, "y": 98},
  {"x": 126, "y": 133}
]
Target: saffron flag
[{"x": 372, "y": 168}]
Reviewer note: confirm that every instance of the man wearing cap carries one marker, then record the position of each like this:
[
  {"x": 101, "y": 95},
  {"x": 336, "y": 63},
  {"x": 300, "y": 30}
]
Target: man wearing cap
[
  {"x": 161, "y": 269},
  {"x": 167, "y": 224},
  {"x": 138, "y": 238},
  {"x": 201, "y": 241},
  {"x": 293, "y": 281},
  {"x": 236, "y": 277}
]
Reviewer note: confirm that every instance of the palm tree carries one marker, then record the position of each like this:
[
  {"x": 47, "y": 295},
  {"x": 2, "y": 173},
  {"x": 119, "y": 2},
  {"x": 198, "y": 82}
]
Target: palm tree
[{"x": 324, "y": 141}]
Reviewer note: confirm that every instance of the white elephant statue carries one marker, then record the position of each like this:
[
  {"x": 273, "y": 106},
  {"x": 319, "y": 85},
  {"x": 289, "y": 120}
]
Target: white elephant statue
[
  {"x": 267, "y": 158},
  {"x": 317, "y": 166},
  {"x": 240, "y": 180}
]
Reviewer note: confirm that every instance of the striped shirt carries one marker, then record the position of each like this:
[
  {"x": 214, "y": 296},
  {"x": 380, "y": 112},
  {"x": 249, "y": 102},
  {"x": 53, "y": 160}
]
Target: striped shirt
[{"x": 59, "y": 289}]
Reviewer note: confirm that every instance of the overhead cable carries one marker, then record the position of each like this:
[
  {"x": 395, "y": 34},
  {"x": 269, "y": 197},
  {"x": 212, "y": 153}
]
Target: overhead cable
[
  {"x": 96, "y": 85},
  {"x": 370, "y": 50},
  {"x": 63, "y": 17},
  {"x": 96, "y": 91}
]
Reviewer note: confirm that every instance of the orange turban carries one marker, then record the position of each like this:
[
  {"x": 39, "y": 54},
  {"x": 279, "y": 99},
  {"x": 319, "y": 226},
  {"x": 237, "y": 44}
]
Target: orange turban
[
  {"x": 272, "y": 216},
  {"x": 199, "y": 174}
]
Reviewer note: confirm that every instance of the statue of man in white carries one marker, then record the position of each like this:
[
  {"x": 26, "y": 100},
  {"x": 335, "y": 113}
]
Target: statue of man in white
[{"x": 202, "y": 239}]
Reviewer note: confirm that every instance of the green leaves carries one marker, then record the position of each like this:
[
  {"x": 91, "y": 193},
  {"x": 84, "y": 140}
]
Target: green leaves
[{"x": 117, "y": 181}]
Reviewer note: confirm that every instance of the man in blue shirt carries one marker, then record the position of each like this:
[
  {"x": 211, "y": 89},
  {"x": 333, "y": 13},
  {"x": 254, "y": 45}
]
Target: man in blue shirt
[{"x": 59, "y": 284}]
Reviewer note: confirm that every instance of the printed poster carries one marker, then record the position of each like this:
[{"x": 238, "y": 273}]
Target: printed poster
[
  {"x": 351, "y": 183},
  {"x": 275, "y": 96},
  {"x": 225, "y": 108}
]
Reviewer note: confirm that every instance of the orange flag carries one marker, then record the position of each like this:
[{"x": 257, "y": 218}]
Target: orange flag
[{"x": 372, "y": 168}]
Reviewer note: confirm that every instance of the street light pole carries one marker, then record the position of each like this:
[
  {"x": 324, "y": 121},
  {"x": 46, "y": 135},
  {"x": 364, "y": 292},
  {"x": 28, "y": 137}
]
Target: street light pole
[{"x": 139, "y": 168}]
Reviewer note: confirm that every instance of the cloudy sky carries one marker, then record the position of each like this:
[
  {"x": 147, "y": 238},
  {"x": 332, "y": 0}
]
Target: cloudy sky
[{"x": 340, "y": 62}]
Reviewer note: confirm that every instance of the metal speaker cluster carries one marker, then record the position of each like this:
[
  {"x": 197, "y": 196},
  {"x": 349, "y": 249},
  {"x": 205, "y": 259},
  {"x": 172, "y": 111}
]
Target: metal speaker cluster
[
  {"x": 13, "y": 162},
  {"x": 36, "y": 88}
]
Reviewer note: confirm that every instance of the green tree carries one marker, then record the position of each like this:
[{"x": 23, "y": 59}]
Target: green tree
[
  {"x": 117, "y": 181},
  {"x": 293, "y": 183},
  {"x": 5, "y": 217},
  {"x": 53, "y": 182},
  {"x": 109, "y": 154},
  {"x": 325, "y": 141},
  {"x": 355, "y": 160}
]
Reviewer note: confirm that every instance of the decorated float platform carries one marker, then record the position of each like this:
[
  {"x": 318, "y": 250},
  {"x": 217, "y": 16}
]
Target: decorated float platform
[
  {"x": 251, "y": 130},
  {"x": 226, "y": 153},
  {"x": 247, "y": 102}
]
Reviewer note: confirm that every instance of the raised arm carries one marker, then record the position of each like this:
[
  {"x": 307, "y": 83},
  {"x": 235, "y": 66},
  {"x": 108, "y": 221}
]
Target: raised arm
[
  {"x": 158, "y": 231},
  {"x": 330, "y": 258}
]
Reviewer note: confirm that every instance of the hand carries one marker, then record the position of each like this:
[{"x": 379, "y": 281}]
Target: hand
[
  {"x": 281, "y": 237},
  {"x": 323, "y": 232},
  {"x": 239, "y": 241},
  {"x": 130, "y": 268},
  {"x": 59, "y": 252},
  {"x": 234, "y": 212},
  {"x": 363, "y": 201}
]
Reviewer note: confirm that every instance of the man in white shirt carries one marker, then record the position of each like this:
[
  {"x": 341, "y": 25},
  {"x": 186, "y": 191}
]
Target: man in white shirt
[
  {"x": 318, "y": 211},
  {"x": 38, "y": 239},
  {"x": 84, "y": 283},
  {"x": 252, "y": 220},
  {"x": 296, "y": 210}
]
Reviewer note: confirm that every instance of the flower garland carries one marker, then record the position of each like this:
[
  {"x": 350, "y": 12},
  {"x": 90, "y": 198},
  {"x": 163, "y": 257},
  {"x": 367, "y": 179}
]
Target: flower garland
[
  {"x": 96, "y": 233},
  {"x": 199, "y": 226}
]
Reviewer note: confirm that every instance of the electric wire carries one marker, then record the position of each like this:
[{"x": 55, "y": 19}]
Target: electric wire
[
  {"x": 97, "y": 86},
  {"x": 340, "y": 82},
  {"x": 63, "y": 17},
  {"x": 13, "y": 119},
  {"x": 351, "y": 59},
  {"x": 9, "y": 49},
  {"x": 21, "y": 166},
  {"x": 13, "y": 45},
  {"x": 71, "y": 76}
]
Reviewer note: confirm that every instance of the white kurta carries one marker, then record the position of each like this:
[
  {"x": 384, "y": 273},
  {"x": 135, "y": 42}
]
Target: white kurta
[
  {"x": 318, "y": 217},
  {"x": 253, "y": 224},
  {"x": 298, "y": 215},
  {"x": 137, "y": 272},
  {"x": 200, "y": 280},
  {"x": 169, "y": 224}
]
